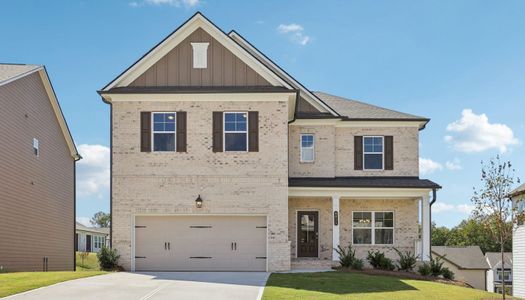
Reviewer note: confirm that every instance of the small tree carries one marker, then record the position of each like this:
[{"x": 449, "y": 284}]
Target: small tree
[
  {"x": 493, "y": 206},
  {"x": 83, "y": 255},
  {"x": 100, "y": 219}
]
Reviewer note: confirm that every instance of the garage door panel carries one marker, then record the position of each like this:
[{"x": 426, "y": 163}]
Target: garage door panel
[{"x": 201, "y": 243}]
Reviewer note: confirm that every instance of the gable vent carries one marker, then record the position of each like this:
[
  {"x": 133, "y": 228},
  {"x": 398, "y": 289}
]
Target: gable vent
[{"x": 200, "y": 55}]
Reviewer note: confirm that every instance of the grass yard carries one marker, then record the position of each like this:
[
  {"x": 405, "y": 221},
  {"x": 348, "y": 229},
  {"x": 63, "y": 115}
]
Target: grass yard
[
  {"x": 17, "y": 282},
  {"x": 90, "y": 263},
  {"x": 337, "y": 285}
]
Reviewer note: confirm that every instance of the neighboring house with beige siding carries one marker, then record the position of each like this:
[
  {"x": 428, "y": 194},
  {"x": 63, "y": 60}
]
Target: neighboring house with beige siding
[
  {"x": 468, "y": 264},
  {"x": 223, "y": 161},
  {"x": 37, "y": 178},
  {"x": 518, "y": 245}
]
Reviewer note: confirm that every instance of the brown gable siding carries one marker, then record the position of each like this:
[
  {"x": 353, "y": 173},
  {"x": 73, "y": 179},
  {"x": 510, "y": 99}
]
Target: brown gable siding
[
  {"x": 303, "y": 107},
  {"x": 176, "y": 69},
  {"x": 36, "y": 193}
]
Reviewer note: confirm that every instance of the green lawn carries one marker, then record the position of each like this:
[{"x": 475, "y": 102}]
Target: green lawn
[
  {"x": 17, "y": 282},
  {"x": 337, "y": 285},
  {"x": 90, "y": 263}
]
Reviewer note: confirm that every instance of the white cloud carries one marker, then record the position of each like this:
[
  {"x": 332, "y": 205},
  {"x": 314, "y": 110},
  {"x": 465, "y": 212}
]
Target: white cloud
[
  {"x": 428, "y": 166},
  {"x": 474, "y": 133},
  {"x": 176, "y": 3},
  {"x": 296, "y": 33},
  {"x": 441, "y": 207},
  {"x": 84, "y": 221},
  {"x": 454, "y": 165},
  {"x": 93, "y": 175}
]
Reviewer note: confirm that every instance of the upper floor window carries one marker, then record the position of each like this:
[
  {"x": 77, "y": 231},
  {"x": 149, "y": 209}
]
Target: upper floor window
[
  {"x": 373, "y": 228},
  {"x": 235, "y": 131},
  {"x": 506, "y": 275},
  {"x": 307, "y": 148},
  {"x": 520, "y": 203},
  {"x": 36, "y": 149},
  {"x": 373, "y": 152},
  {"x": 164, "y": 130}
]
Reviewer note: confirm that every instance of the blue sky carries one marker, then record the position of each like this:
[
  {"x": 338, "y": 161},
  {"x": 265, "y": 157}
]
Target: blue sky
[{"x": 460, "y": 63}]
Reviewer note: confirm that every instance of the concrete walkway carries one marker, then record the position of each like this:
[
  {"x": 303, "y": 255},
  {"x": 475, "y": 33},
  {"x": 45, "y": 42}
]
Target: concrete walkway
[{"x": 156, "y": 285}]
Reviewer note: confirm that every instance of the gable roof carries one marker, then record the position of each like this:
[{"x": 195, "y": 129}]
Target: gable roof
[
  {"x": 80, "y": 226},
  {"x": 518, "y": 191},
  {"x": 469, "y": 257},
  {"x": 12, "y": 72},
  {"x": 178, "y": 35},
  {"x": 494, "y": 259}
]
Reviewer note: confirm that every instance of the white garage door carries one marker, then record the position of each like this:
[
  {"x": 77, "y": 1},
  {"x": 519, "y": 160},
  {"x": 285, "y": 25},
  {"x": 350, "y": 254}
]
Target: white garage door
[{"x": 200, "y": 243}]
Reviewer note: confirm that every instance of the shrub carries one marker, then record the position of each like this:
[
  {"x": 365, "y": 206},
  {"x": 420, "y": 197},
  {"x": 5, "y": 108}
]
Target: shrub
[
  {"x": 407, "y": 260},
  {"x": 108, "y": 258},
  {"x": 436, "y": 266},
  {"x": 83, "y": 256},
  {"x": 347, "y": 258},
  {"x": 447, "y": 274},
  {"x": 358, "y": 264},
  {"x": 424, "y": 269},
  {"x": 378, "y": 260}
]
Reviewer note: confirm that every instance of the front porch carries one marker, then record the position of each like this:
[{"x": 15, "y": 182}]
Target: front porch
[{"x": 321, "y": 219}]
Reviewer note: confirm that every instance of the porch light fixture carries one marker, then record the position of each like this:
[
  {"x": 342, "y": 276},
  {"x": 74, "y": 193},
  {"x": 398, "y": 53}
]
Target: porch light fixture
[{"x": 198, "y": 202}]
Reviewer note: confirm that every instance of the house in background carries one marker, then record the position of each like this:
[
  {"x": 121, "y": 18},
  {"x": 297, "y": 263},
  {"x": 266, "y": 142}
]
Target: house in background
[
  {"x": 222, "y": 161},
  {"x": 90, "y": 239},
  {"x": 518, "y": 244},
  {"x": 37, "y": 174},
  {"x": 468, "y": 263},
  {"x": 496, "y": 275}
]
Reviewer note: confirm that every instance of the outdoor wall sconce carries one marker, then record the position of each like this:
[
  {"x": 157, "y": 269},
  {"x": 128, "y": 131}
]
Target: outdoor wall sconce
[
  {"x": 198, "y": 202},
  {"x": 336, "y": 218}
]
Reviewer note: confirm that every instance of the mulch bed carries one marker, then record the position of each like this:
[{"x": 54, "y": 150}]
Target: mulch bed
[{"x": 403, "y": 275}]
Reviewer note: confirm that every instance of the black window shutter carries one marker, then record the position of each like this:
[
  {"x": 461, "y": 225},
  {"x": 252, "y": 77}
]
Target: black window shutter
[
  {"x": 181, "y": 131},
  {"x": 358, "y": 153},
  {"x": 253, "y": 131},
  {"x": 389, "y": 152},
  {"x": 217, "y": 131},
  {"x": 145, "y": 131}
]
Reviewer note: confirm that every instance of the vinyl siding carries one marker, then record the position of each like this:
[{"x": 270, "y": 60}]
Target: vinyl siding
[
  {"x": 36, "y": 193},
  {"x": 518, "y": 261}
]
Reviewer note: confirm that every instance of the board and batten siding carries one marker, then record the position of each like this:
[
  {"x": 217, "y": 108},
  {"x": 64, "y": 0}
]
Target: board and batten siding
[
  {"x": 36, "y": 193},
  {"x": 518, "y": 259},
  {"x": 176, "y": 69}
]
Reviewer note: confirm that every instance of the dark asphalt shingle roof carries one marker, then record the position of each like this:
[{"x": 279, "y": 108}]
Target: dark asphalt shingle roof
[
  {"x": 518, "y": 191},
  {"x": 353, "y": 109},
  {"x": 80, "y": 226},
  {"x": 362, "y": 181},
  {"x": 469, "y": 257},
  {"x": 494, "y": 259}
]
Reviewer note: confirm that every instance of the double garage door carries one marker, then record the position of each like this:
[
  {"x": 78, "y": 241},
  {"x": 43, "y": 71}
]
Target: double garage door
[{"x": 200, "y": 243}]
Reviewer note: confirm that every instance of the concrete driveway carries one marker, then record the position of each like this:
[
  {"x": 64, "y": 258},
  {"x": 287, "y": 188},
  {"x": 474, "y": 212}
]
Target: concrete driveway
[{"x": 156, "y": 285}]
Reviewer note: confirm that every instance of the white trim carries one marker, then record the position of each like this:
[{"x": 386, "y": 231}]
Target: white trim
[
  {"x": 224, "y": 131},
  {"x": 297, "y": 210},
  {"x": 363, "y": 193},
  {"x": 358, "y": 123},
  {"x": 200, "y": 55},
  {"x": 307, "y": 95},
  {"x": 153, "y": 131},
  {"x": 382, "y": 153},
  {"x": 301, "y": 159},
  {"x": 373, "y": 227},
  {"x": 134, "y": 217},
  {"x": 425, "y": 228},
  {"x": 197, "y": 21},
  {"x": 232, "y": 97},
  {"x": 335, "y": 228}
]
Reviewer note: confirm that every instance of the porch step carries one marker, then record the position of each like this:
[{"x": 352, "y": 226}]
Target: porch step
[{"x": 312, "y": 264}]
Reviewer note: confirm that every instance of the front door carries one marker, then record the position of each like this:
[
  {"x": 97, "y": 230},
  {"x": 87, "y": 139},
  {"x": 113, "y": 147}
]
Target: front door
[
  {"x": 88, "y": 243},
  {"x": 307, "y": 233}
]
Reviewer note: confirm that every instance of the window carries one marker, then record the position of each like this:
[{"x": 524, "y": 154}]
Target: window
[
  {"x": 521, "y": 208},
  {"x": 373, "y": 228},
  {"x": 235, "y": 131},
  {"x": 164, "y": 131},
  {"x": 307, "y": 148},
  {"x": 200, "y": 55},
  {"x": 507, "y": 275},
  {"x": 373, "y": 152},
  {"x": 36, "y": 149}
]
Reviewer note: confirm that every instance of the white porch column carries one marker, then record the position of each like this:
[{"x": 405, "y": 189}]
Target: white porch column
[
  {"x": 425, "y": 227},
  {"x": 336, "y": 219}
]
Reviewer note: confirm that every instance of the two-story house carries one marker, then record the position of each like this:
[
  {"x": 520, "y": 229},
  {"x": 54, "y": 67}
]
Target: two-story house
[
  {"x": 498, "y": 274},
  {"x": 223, "y": 161}
]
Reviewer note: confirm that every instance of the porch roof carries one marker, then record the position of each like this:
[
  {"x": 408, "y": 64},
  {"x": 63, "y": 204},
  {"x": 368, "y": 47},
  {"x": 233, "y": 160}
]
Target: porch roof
[{"x": 363, "y": 182}]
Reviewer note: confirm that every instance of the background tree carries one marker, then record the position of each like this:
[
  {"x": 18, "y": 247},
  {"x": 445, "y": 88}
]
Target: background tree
[
  {"x": 100, "y": 219},
  {"x": 439, "y": 235},
  {"x": 493, "y": 207}
]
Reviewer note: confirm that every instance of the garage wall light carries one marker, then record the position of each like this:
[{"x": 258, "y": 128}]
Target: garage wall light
[{"x": 198, "y": 202}]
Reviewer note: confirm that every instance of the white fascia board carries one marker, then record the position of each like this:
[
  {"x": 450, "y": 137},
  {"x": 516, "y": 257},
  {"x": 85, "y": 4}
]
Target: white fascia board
[
  {"x": 361, "y": 193},
  {"x": 198, "y": 21},
  {"x": 307, "y": 95},
  {"x": 357, "y": 124},
  {"x": 278, "y": 96}
]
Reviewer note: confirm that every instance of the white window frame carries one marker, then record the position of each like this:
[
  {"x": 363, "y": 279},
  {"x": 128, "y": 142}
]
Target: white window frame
[
  {"x": 500, "y": 274},
  {"x": 224, "y": 131},
  {"x": 373, "y": 227},
  {"x": 382, "y": 152},
  {"x": 153, "y": 130},
  {"x": 303, "y": 148},
  {"x": 36, "y": 147}
]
